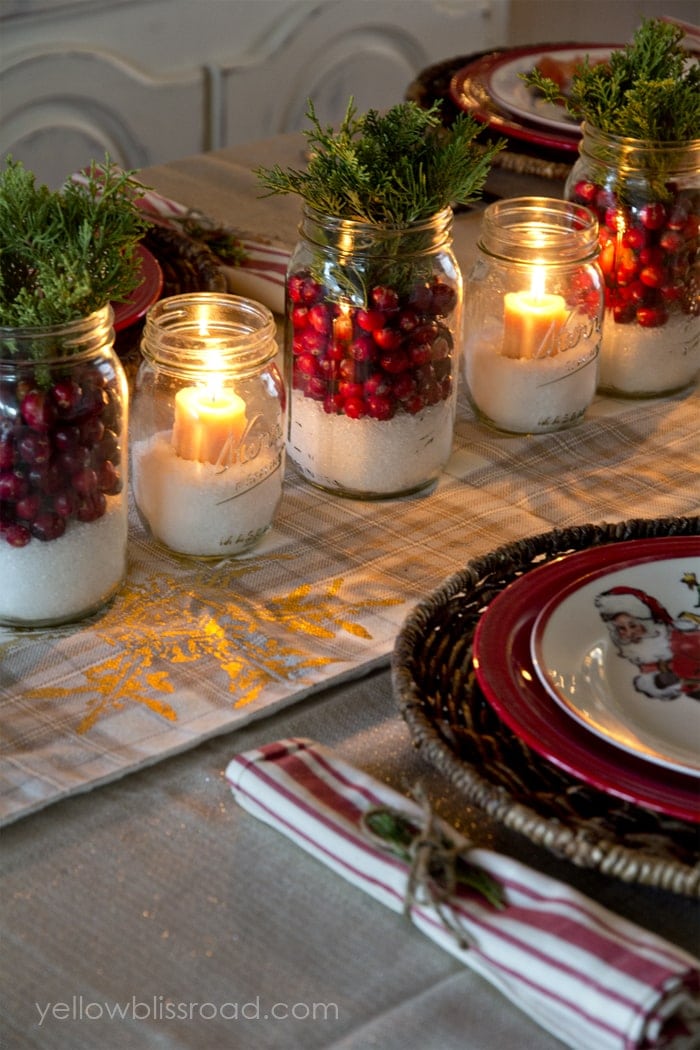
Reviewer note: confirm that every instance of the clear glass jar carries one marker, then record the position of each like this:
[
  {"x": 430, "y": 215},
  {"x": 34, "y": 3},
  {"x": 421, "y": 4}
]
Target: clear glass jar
[
  {"x": 63, "y": 471},
  {"x": 533, "y": 316},
  {"x": 373, "y": 326},
  {"x": 646, "y": 196},
  {"x": 207, "y": 449}
]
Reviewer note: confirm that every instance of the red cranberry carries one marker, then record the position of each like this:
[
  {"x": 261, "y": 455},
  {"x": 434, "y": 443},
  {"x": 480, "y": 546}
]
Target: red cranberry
[
  {"x": 319, "y": 317},
  {"x": 66, "y": 395},
  {"x": 443, "y": 299},
  {"x": 13, "y": 485},
  {"x": 84, "y": 481},
  {"x": 369, "y": 320},
  {"x": 27, "y": 508},
  {"x": 108, "y": 479},
  {"x": 17, "y": 535},
  {"x": 48, "y": 526},
  {"x": 651, "y": 316},
  {"x": 92, "y": 507},
  {"x": 37, "y": 411},
  {"x": 354, "y": 407},
  {"x": 384, "y": 298},
  {"x": 388, "y": 338},
  {"x": 653, "y": 215},
  {"x": 652, "y": 276},
  {"x": 380, "y": 406}
]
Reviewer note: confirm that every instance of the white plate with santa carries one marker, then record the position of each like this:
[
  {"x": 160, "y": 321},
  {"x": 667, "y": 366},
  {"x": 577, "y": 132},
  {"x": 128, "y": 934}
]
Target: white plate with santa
[{"x": 620, "y": 652}]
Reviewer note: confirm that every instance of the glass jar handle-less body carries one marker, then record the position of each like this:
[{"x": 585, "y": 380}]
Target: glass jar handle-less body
[
  {"x": 63, "y": 471},
  {"x": 646, "y": 196},
  {"x": 373, "y": 330},
  {"x": 534, "y": 304},
  {"x": 207, "y": 446}
]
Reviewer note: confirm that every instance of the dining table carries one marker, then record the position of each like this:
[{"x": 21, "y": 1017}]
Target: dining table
[{"x": 141, "y": 906}]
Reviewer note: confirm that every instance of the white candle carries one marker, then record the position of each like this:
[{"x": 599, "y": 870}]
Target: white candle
[
  {"x": 532, "y": 320},
  {"x": 209, "y": 423}
]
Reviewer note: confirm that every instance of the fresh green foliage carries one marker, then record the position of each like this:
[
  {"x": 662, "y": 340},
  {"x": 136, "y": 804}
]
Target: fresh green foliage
[
  {"x": 66, "y": 253},
  {"x": 648, "y": 90},
  {"x": 400, "y": 835},
  {"x": 388, "y": 170}
]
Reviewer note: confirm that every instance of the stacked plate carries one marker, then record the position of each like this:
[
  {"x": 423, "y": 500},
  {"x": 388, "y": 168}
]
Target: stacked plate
[
  {"x": 490, "y": 88},
  {"x": 593, "y": 660}
]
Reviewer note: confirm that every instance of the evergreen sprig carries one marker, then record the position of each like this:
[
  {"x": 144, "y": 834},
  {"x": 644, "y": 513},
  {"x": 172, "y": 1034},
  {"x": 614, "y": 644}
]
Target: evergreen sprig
[
  {"x": 389, "y": 170},
  {"x": 648, "y": 90},
  {"x": 68, "y": 252}
]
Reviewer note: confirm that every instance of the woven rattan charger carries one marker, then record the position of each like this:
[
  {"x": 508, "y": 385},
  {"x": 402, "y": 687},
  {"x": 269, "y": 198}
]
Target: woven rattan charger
[{"x": 458, "y": 732}]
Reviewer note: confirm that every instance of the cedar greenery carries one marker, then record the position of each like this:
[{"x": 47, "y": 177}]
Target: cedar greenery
[
  {"x": 69, "y": 252},
  {"x": 648, "y": 90},
  {"x": 387, "y": 170}
]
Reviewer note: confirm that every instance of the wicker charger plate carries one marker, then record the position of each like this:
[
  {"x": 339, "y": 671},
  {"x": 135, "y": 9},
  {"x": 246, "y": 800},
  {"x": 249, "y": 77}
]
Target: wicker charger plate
[{"x": 459, "y": 733}]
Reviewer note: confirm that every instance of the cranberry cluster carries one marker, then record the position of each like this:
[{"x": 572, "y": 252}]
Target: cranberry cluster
[
  {"x": 647, "y": 252},
  {"x": 392, "y": 354},
  {"x": 59, "y": 453}
]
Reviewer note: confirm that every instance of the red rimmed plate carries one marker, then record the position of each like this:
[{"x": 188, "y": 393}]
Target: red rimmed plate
[
  {"x": 136, "y": 306},
  {"x": 508, "y": 678},
  {"x": 471, "y": 91}
]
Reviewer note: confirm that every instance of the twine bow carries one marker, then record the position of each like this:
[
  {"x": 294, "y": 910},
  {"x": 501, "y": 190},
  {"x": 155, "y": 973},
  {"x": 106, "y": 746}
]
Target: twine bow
[{"x": 437, "y": 861}]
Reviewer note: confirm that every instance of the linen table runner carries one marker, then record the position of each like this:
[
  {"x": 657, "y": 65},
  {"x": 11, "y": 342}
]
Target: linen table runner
[
  {"x": 187, "y": 651},
  {"x": 588, "y": 976}
]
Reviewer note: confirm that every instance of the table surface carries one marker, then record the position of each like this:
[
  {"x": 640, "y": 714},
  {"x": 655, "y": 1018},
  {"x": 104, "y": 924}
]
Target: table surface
[{"x": 156, "y": 900}]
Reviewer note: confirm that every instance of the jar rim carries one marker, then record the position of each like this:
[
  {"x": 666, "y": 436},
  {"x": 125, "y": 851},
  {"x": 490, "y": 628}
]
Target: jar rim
[
  {"x": 545, "y": 230},
  {"x": 181, "y": 329},
  {"x": 640, "y": 144}
]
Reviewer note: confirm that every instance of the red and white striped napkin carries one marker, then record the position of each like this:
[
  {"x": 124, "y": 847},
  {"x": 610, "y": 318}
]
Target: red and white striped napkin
[
  {"x": 260, "y": 275},
  {"x": 591, "y": 978}
]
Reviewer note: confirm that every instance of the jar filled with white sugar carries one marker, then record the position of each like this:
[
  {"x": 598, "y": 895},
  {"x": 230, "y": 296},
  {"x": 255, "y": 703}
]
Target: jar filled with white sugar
[
  {"x": 207, "y": 449},
  {"x": 373, "y": 326},
  {"x": 533, "y": 316},
  {"x": 63, "y": 470}
]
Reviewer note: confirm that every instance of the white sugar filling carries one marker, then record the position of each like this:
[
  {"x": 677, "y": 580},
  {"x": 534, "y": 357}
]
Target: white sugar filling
[
  {"x": 62, "y": 579},
  {"x": 198, "y": 509},
  {"x": 369, "y": 456},
  {"x": 638, "y": 360}
]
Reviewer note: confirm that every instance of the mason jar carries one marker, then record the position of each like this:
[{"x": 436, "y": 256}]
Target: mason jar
[
  {"x": 373, "y": 327},
  {"x": 646, "y": 196},
  {"x": 533, "y": 316},
  {"x": 63, "y": 471},
  {"x": 207, "y": 449}
]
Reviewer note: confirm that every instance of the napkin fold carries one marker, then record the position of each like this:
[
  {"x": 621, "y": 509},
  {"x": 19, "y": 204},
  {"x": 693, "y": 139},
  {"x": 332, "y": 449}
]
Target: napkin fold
[{"x": 589, "y": 977}]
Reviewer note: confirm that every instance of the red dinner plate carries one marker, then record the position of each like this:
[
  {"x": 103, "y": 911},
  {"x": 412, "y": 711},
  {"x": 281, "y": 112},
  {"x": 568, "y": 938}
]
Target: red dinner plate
[
  {"x": 135, "y": 307},
  {"x": 508, "y": 678}
]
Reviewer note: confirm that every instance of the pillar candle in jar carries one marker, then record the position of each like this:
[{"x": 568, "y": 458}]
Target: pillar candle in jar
[
  {"x": 209, "y": 423},
  {"x": 532, "y": 320}
]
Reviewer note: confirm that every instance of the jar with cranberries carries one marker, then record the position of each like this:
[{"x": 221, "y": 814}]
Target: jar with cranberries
[
  {"x": 373, "y": 327},
  {"x": 646, "y": 196},
  {"x": 63, "y": 491}
]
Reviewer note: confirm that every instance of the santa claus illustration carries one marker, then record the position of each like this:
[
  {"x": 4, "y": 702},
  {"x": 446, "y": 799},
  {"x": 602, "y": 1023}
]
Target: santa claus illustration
[{"x": 665, "y": 650}]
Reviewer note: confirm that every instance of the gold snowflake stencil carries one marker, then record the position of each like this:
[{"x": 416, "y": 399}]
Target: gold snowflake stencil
[{"x": 164, "y": 624}]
